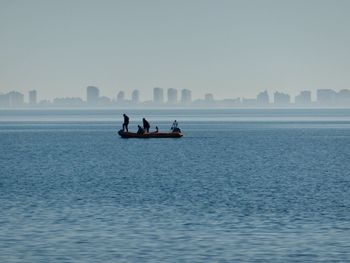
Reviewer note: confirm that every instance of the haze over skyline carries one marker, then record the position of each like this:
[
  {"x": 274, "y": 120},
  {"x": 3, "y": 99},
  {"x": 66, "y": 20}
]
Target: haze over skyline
[{"x": 221, "y": 47}]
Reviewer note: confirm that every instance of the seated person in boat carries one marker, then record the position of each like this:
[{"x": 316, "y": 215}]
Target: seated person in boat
[
  {"x": 140, "y": 130},
  {"x": 146, "y": 125},
  {"x": 175, "y": 127}
]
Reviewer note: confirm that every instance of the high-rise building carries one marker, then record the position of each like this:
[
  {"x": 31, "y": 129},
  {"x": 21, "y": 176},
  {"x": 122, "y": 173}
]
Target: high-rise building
[
  {"x": 92, "y": 95},
  {"x": 158, "y": 95},
  {"x": 33, "y": 99},
  {"x": 326, "y": 96},
  {"x": 281, "y": 98},
  {"x": 172, "y": 96},
  {"x": 186, "y": 96},
  {"x": 135, "y": 97},
  {"x": 209, "y": 97},
  {"x": 263, "y": 98},
  {"x": 16, "y": 99},
  {"x": 120, "y": 97},
  {"x": 303, "y": 98}
]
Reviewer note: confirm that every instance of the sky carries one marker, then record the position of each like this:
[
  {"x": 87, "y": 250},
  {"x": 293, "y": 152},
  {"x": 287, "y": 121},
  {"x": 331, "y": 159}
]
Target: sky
[{"x": 226, "y": 47}]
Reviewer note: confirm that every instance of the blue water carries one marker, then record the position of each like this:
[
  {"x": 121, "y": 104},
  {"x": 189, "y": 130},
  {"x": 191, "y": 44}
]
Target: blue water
[{"x": 234, "y": 189}]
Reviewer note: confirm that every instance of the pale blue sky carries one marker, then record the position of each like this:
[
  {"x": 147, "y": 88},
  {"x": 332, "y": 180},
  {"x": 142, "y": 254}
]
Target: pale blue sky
[{"x": 231, "y": 48}]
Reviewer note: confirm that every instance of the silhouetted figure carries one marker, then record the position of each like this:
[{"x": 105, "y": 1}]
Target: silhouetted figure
[
  {"x": 126, "y": 122},
  {"x": 157, "y": 129},
  {"x": 146, "y": 125},
  {"x": 140, "y": 130},
  {"x": 175, "y": 127}
]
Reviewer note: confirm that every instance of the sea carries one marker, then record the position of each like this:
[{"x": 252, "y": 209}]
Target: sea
[{"x": 241, "y": 185}]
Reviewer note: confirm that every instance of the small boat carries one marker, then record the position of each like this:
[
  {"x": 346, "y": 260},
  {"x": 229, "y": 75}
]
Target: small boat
[{"x": 125, "y": 134}]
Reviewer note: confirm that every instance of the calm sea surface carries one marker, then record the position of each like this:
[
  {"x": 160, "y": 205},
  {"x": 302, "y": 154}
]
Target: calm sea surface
[{"x": 240, "y": 186}]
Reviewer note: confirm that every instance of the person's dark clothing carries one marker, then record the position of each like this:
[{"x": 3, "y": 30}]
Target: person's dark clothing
[
  {"x": 140, "y": 130},
  {"x": 146, "y": 125},
  {"x": 126, "y": 122}
]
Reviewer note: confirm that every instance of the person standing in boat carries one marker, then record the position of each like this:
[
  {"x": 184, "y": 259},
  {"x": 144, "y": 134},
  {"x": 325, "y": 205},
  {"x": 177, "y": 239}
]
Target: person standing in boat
[
  {"x": 126, "y": 122},
  {"x": 174, "y": 126},
  {"x": 146, "y": 125}
]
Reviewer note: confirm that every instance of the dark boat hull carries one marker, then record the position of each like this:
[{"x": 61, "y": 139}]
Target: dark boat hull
[{"x": 124, "y": 134}]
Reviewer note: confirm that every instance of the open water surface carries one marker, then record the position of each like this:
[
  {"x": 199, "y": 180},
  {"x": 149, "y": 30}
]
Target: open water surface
[{"x": 238, "y": 187}]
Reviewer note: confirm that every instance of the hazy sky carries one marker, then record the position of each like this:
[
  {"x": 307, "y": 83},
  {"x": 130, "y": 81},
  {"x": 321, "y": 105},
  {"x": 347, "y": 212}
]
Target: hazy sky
[{"x": 230, "y": 48}]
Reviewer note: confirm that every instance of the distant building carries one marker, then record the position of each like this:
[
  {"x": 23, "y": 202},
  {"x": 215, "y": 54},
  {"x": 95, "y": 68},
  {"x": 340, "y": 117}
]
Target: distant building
[
  {"x": 186, "y": 96},
  {"x": 249, "y": 102},
  {"x": 281, "y": 98},
  {"x": 263, "y": 98},
  {"x": 120, "y": 97},
  {"x": 135, "y": 97},
  {"x": 343, "y": 97},
  {"x": 209, "y": 97},
  {"x": 45, "y": 103},
  {"x": 16, "y": 99},
  {"x": 208, "y": 101},
  {"x": 230, "y": 102},
  {"x": 68, "y": 102},
  {"x": 33, "y": 99},
  {"x": 303, "y": 98},
  {"x": 158, "y": 95},
  {"x": 92, "y": 95},
  {"x": 172, "y": 96},
  {"x": 4, "y": 101},
  {"x": 326, "y": 96},
  {"x": 104, "y": 101}
]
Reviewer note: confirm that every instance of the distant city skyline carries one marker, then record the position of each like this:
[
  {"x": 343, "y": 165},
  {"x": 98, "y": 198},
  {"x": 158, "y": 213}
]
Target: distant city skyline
[
  {"x": 169, "y": 98},
  {"x": 226, "y": 47}
]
